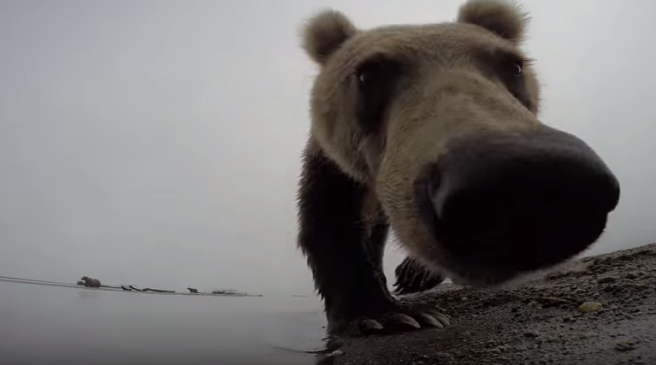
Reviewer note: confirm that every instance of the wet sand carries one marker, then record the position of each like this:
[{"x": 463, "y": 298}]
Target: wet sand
[{"x": 538, "y": 321}]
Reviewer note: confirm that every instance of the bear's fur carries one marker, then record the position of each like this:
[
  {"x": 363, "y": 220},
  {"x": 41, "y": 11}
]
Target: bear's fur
[
  {"x": 399, "y": 108},
  {"x": 413, "y": 277}
]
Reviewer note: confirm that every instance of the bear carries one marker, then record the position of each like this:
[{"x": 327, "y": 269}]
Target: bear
[
  {"x": 90, "y": 282},
  {"x": 432, "y": 132}
]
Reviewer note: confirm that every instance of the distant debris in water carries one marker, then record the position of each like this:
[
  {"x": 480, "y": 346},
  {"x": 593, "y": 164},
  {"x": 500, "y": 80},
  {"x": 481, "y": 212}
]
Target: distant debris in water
[
  {"x": 233, "y": 292},
  {"x": 226, "y": 292},
  {"x": 90, "y": 282},
  {"x": 152, "y": 290}
]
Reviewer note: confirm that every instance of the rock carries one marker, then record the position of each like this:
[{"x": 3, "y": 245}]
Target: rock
[
  {"x": 624, "y": 345},
  {"x": 590, "y": 307},
  {"x": 531, "y": 334},
  {"x": 632, "y": 275},
  {"x": 607, "y": 279},
  {"x": 336, "y": 353}
]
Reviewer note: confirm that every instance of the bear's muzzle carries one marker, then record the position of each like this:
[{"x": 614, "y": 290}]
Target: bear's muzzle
[{"x": 516, "y": 202}]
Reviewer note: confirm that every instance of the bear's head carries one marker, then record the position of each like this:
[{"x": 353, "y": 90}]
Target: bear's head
[{"x": 441, "y": 122}]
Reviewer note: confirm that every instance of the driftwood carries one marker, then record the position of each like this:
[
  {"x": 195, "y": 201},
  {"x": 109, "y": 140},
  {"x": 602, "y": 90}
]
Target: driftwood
[{"x": 151, "y": 290}]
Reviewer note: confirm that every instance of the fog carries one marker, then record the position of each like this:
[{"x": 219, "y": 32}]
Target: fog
[{"x": 157, "y": 143}]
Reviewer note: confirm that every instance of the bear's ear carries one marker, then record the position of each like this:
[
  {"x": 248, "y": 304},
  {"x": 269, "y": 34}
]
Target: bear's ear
[
  {"x": 324, "y": 33},
  {"x": 501, "y": 17}
]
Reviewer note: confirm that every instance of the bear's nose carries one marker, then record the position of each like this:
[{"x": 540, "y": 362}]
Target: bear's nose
[{"x": 523, "y": 201}]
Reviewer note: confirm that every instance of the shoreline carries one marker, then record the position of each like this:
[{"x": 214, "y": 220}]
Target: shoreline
[
  {"x": 118, "y": 289},
  {"x": 538, "y": 321}
]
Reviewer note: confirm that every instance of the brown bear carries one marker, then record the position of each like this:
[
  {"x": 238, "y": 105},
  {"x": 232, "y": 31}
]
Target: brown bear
[
  {"x": 432, "y": 131},
  {"x": 91, "y": 282}
]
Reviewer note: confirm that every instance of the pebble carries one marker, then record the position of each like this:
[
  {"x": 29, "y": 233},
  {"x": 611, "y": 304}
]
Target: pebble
[
  {"x": 532, "y": 334},
  {"x": 590, "y": 307},
  {"x": 607, "y": 279},
  {"x": 336, "y": 353},
  {"x": 632, "y": 275},
  {"x": 624, "y": 345}
]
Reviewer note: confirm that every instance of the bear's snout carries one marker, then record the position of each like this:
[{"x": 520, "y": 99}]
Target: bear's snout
[{"x": 512, "y": 203}]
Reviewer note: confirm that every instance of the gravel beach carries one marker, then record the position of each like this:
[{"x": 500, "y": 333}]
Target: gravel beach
[{"x": 596, "y": 310}]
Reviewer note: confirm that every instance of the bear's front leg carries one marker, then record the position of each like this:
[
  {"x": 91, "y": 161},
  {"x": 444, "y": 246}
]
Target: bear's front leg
[
  {"x": 346, "y": 257},
  {"x": 413, "y": 277}
]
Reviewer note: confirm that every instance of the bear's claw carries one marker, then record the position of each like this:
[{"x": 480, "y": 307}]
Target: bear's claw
[
  {"x": 401, "y": 321},
  {"x": 404, "y": 318},
  {"x": 368, "y": 325}
]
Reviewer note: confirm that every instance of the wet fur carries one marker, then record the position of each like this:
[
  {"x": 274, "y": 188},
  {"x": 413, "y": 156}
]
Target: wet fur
[{"x": 342, "y": 241}]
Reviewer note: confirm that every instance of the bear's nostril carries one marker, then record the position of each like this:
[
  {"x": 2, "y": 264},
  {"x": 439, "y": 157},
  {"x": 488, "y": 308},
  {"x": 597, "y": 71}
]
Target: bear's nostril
[{"x": 520, "y": 202}]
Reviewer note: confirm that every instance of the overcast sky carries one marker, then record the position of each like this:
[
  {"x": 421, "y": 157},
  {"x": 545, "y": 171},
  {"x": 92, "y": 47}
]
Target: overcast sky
[{"x": 157, "y": 143}]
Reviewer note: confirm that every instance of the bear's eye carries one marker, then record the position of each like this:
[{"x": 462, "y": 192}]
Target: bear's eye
[
  {"x": 371, "y": 73},
  {"x": 507, "y": 64},
  {"x": 512, "y": 68},
  {"x": 517, "y": 69},
  {"x": 376, "y": 79},
  {"x": 364, "y": 77},
  {"x": 509, "y": 68}
]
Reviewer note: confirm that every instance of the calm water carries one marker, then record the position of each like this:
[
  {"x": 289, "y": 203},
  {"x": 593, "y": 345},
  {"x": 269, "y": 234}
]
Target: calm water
[{"x": 54, "y": 325}]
